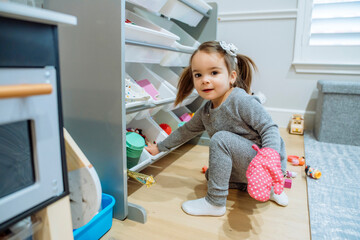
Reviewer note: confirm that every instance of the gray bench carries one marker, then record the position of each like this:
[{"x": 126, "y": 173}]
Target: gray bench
[{"x": 338, "y": 112}]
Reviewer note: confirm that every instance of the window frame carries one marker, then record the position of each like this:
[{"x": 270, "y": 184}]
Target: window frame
[{"x": 321, "y": 59}]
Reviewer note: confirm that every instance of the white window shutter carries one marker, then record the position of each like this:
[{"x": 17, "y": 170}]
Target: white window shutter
[
  {"x": 335, "y": 23},
  {"x": 328, "y": 37}
]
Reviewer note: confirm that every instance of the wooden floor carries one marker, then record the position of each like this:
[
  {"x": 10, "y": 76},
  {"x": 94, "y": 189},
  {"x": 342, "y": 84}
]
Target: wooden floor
[{"x": 179, "y": 178}]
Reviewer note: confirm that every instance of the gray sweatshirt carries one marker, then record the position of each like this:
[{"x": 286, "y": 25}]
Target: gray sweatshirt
[{"x": 241, "y": 114}]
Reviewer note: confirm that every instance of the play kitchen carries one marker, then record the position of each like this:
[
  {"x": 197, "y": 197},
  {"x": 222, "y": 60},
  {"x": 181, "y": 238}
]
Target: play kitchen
[
  {"x": 32, "y": 156},
  {"x": 31, "y": 172}
]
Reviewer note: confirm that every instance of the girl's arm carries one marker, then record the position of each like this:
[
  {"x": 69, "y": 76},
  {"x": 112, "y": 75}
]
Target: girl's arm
[
  {"x": 184, "y": 133},
  {"x": 255, "y": 115}
]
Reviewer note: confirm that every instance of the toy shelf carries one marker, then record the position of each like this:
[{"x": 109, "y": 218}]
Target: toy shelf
[{"x": 95, "y": 113}]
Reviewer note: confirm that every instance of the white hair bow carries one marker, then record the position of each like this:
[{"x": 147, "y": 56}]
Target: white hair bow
[{"x": 229, "y": 48}]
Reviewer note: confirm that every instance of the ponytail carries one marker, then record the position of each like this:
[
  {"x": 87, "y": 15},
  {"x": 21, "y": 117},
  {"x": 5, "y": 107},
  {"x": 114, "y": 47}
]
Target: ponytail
[
  {"x": 185, "y": 85},
  {"x": 245, "y": 72}
]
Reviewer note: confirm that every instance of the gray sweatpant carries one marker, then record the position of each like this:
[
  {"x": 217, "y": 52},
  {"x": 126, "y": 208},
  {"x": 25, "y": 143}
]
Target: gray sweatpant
[{"x": 230, "y": 155}]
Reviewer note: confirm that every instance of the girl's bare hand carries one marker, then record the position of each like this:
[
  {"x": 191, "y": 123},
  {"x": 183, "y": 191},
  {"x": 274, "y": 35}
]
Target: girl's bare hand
[{"x": 152, "y": 148}]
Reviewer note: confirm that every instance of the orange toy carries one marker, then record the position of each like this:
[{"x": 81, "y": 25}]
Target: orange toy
[
  {"x": 204, "y": 168},
  {"x": 292, "y": 157},
  {"x": 295, "y": 160}
]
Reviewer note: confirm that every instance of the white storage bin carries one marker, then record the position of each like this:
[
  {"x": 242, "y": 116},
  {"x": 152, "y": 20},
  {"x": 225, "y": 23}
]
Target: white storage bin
[
  {"x": 130, "y": 104},
  {"x": 167, "y": 117},
  {"x": 151, "y": 130},
  {"x": 201, "y": 5},
  {"x": 141, "y": 54},
  {"x": 186, "y": 42},
  {"x": 190, "y": 98},
  {"x": 172, "y": 79},
  {"x": 148, "y": 112},
  {"x": 184, "y": 13},
  {"x": 145, "y": 31},
  {"x": 177, "y": 70},
  {"x": 130, "y": 117},
  {"x": 139, "y": 72},
  {"x": 144, "y": 160},
  {"x": 152, "y": 5}
]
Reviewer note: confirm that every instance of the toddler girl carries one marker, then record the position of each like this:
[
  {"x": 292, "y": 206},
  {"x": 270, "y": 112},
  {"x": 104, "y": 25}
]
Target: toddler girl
[{"x": 233, "y": 118}]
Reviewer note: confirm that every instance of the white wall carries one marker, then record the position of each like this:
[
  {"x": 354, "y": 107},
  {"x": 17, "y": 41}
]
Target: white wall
[{"x": 265, "y": 31}]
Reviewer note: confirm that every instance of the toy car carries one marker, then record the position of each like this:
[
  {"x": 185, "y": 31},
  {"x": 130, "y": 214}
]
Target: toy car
[{"x": 297, "y": 124}]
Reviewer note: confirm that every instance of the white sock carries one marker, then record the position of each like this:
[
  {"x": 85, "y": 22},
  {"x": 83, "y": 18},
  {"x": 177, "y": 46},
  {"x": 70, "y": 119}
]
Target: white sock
[
  {"x": 202, "y": 207},
  {"x": 281, "y": 199}
]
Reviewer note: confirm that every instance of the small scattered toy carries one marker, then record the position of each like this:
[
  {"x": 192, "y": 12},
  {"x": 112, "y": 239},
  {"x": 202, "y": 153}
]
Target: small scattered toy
[
  {"x": 311, "y": 172},
  {"x": 292, "y": 157},
  {"x": 287, "y": 183},
  {"x": 297, "y": 124},
  {"x": 203, "y": 169},
  {"x": 142, "y": 178},
  {"x": 290, "y": 174},
  {"x": 298, "y": 162}
]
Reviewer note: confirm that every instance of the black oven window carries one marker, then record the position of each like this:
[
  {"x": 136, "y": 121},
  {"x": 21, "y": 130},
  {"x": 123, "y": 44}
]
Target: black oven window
[{"x": 16, "y": 157}]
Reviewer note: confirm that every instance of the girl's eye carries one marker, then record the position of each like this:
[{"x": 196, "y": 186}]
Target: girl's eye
[
  {"x": 196, "y": 75},
  {"x": 214, "y": 72}
]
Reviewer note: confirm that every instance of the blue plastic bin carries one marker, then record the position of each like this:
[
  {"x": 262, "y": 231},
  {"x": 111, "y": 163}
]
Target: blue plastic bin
[{"x": 100, "y": 223}]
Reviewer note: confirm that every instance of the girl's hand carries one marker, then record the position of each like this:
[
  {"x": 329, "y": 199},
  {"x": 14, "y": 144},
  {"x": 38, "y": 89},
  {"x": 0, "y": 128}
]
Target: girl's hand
[{"x": 152, "y": 148}]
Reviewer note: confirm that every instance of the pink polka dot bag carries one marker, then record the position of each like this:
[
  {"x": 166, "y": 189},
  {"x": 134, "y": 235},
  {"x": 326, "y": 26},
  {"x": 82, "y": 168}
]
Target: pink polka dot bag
[{"x": 263, "y": 172}]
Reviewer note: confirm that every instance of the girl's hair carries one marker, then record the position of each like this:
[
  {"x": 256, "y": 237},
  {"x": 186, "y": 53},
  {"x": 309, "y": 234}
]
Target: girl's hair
[{"x": 243, "y": 69}]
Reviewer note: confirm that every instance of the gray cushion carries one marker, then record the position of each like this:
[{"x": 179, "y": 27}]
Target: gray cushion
[{"x": 327, "y": 86}]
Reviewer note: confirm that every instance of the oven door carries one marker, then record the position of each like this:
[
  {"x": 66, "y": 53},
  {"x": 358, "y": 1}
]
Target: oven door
[{"x": 31, "y": 169}]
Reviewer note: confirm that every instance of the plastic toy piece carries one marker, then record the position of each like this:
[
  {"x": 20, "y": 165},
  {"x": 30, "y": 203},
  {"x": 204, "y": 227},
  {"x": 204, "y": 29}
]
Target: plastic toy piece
[
  {"x": 298, "y": 162},
  {"x": 204, "y": 168},
  {"x": 166, "y": 128},
  {"x": 186, "y": 117},
  {"x": 311, "y": 172},
  {"x": 297, "y": 124},
  {"x": 292, "y": 157},
  {"x": 142, "y": 178},
  {"x": 149, "y": 88},
  {"x": 290, "y": 174},
  {"x": 287, "y": 183}
]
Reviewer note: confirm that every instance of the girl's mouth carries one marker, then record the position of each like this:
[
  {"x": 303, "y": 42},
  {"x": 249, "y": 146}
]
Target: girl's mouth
[{"x": 207, "y": 90}]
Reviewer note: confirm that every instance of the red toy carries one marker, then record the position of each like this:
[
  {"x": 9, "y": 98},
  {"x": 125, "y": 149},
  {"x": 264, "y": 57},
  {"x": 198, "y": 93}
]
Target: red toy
[
  {"x": 204, "y": 168},
  {"x": 166, "y": 128}
]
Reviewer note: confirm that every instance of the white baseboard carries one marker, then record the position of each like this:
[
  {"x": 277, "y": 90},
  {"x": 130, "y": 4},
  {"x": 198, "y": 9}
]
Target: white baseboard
[{"x": 282, "y": 116}]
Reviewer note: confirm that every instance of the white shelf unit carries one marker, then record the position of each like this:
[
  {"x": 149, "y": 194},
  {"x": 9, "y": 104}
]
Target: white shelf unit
[{"x": 93, "y": 70}]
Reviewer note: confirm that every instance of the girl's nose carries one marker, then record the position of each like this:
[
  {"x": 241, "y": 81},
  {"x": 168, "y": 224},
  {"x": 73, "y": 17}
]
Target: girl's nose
[{"x": 205, "y": 80}]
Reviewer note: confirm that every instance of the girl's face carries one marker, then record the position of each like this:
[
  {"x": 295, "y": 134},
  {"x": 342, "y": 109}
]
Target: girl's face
[{"x": 211, "y": 78}]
